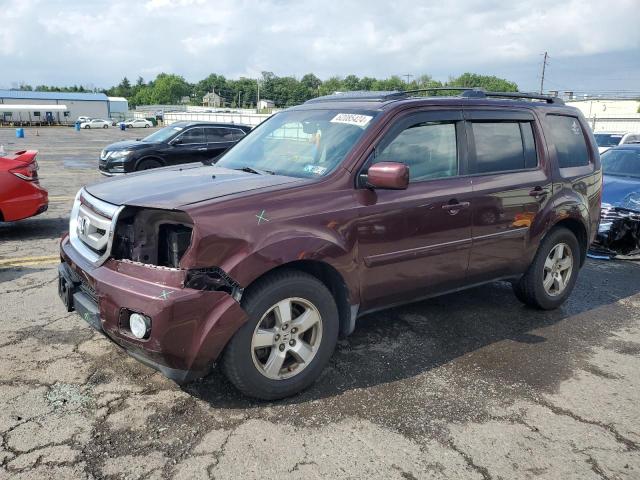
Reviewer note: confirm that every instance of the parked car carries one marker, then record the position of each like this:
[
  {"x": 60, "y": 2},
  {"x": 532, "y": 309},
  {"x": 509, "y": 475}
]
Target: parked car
[
  {"x": 95, "y": 123},
  {"x": 607, "y": 140},
  {"x": 181, "y": 142},
  {"x": 341, "y": 206},
  {"x": 21, "y": 195},
  {"x": 137, "y": 123},
  {"x": 83, "y": 119},
  {"x": 619, "y": 231}
]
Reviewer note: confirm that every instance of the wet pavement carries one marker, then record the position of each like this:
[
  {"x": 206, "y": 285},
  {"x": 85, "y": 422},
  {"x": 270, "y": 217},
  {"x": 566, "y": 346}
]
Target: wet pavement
[{"x": 470, "y": 385}]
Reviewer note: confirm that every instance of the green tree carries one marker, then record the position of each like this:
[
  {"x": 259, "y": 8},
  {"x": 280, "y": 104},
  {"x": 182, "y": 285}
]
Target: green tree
[{"x": 488, "y": 82}]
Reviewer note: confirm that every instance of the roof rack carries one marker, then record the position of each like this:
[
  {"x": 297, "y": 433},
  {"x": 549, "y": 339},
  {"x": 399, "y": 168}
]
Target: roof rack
[
  {"x": 475, "y": 92},
  {"x": 361, "y": 95},
  {"x": 465, "y": 92}
]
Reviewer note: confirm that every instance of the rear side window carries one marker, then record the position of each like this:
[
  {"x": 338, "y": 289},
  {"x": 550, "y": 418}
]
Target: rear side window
[
  {"x": 218, "y": 135},
  {"x": 504, "y": 146},
  {"x": 568, "y": 138},
  {"x": 238, "y": 134}
]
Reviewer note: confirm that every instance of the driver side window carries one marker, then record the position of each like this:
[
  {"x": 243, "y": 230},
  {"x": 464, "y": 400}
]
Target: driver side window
[
  {"x": 193, "y": 135},
  {"x": 429, "y": 149}
]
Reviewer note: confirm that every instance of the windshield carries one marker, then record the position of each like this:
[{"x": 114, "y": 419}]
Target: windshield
[
  {"x": 608, "y": 139},
  {"x": 303, "y": 143},
  {"x": 622, "y": 162},
  {"x": 162, "y": 135}
]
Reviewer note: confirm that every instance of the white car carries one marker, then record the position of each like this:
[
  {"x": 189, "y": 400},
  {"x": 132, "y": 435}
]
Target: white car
[
  {"x": 607, "y": 140},
  {"x": 138, "y": 123},
  {"x": 83, "y": 119},
  {"x": 95, "y": 123}
]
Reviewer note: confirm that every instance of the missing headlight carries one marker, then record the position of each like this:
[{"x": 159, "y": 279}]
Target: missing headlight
[{"x": 155, "y": 237}]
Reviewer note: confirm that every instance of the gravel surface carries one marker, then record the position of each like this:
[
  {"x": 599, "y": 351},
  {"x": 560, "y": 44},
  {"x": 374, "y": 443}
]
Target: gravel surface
[{"x": 470, "y": 385}]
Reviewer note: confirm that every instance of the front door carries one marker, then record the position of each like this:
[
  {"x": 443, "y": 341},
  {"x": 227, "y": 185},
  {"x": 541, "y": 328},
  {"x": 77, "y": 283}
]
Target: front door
[
  {"x": 190, "y": 146},
  {"x": 511, "y": 185},
  {"x": 414, "y": 243}
]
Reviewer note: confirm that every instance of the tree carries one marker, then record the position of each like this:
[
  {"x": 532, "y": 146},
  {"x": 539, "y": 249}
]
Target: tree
[{"x": 488, "y": 82}]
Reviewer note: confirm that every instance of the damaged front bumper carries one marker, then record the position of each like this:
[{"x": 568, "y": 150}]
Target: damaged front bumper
[
  {"x": 618, "y": 234},
  {"x": 188, "y": 328}
]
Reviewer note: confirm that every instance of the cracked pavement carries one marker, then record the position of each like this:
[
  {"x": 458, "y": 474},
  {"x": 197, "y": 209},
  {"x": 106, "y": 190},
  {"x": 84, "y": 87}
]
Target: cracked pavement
[{"x": 471, "y": 385}]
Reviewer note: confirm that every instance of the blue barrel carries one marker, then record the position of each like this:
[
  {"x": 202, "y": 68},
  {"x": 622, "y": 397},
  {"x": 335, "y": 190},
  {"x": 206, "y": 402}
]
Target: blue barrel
[
  {"x": 19, "y": 132},
  {"x": 123, "y": 127},
  {"x": 77, "y": 127}
]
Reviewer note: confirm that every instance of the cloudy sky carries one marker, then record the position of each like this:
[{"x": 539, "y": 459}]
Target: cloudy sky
[{"x": 593, "y": 45}]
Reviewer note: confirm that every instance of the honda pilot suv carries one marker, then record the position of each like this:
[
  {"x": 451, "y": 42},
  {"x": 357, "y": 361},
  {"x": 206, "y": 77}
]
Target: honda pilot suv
[{"x": 341, "y": 206}]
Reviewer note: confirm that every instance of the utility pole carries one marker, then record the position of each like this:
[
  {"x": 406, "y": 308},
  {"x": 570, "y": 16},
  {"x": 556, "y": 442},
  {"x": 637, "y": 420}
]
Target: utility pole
[
  {"x": 544, "y": 65},
  {"x": 408, "y": 75},
  {"x": 258, "y": 100}
]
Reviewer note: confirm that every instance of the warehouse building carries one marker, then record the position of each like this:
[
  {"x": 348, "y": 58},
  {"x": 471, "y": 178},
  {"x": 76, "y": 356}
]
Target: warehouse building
[{"x": 34, "y": 108}]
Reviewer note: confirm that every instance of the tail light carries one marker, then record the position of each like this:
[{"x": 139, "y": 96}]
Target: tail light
[{"x": 28, "y": 171}]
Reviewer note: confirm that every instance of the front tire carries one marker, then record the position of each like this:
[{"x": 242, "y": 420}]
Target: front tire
[
  {"x": 148, "y": 165},
  {"x": 289, "y": 338},
  {"x": 551, "y": 277}
]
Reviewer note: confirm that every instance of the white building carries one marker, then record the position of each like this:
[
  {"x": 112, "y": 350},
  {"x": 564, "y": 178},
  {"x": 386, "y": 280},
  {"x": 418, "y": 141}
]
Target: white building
[
  {"x": 610, "y": 115},
  {"x": 118, "y": 108},
  {"x": 46, "y": 107},
  {"x": 264, "y": 104}
]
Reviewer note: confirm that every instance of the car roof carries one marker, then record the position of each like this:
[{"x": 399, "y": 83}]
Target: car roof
[
  {"x": 383, "y": 100},
  {"x": 185, "y": 124},
  {"x": 626, "y": 146}
]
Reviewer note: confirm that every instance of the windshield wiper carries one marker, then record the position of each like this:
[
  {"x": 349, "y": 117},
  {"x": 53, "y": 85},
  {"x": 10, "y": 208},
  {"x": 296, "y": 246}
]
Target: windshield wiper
[{"x": 253, "y": 170}]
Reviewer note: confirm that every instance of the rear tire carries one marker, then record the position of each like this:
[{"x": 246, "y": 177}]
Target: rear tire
[
  {"x": 148, "y": 165},
  {"x": 553, "y": 273},
  {"x": 275, "y": 355}
]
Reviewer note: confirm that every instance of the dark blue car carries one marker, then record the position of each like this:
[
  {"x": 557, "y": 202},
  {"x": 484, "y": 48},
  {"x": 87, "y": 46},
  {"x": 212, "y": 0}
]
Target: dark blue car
[{"x": 619, "y": 233}]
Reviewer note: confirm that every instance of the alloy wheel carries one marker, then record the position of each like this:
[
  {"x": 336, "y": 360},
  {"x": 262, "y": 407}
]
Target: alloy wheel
[
  {"x": 558, "y": 268},
  {"x": 287, "y": 338}
]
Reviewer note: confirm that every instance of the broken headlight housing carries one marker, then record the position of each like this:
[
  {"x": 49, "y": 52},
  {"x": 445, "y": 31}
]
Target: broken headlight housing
[{"x": 153, "y": 237}]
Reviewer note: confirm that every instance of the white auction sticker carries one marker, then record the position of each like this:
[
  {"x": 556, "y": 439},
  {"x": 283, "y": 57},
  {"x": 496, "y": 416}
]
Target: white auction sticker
[{"x": 352, "y": 119}]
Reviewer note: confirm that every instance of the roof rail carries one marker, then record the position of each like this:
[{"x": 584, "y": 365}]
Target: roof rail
[
  {"x": 360, "y": 95},
  {"x": 465, "y": 92}
]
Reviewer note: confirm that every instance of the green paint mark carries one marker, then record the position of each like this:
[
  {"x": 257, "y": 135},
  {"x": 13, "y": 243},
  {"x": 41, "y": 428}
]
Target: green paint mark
[{"x": 261, "y": 217}]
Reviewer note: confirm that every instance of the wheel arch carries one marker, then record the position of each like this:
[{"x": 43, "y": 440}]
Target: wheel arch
[
  {"x": 149, "y": 157},
  {"x": 578, "y": 228},
  {"x": 330, "y": 278}
]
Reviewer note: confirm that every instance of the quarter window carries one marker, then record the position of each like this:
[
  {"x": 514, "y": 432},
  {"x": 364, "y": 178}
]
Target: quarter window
[
  {"x": 503, "y": 146},
  {"x": 568, "y": 138},
  {"x": 428, "y": 149}
]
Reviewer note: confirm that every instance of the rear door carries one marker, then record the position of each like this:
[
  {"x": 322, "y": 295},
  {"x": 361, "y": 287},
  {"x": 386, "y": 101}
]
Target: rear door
[
  {"x": 511, "y": 185},
  {"x": 219, "y": 139},
  {"x": 414, "y": 243},
  {"x": 189, "y": 146}
]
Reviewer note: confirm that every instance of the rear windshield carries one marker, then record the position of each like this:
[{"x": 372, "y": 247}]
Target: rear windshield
[{"x": 607, "y": 139}]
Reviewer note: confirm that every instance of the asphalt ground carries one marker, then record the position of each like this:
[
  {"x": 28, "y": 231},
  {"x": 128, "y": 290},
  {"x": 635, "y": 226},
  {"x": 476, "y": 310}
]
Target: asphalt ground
[{"x": 470, "y": 385}]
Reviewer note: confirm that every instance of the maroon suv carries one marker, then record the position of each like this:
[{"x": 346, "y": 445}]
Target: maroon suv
[{"x": 327, "y": 211}]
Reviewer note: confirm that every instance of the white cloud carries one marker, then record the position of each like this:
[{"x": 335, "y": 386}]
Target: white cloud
[{"x": 78, "y": 42}]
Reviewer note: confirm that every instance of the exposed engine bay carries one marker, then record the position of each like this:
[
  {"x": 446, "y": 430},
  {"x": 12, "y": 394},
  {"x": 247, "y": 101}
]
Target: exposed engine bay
[{"x": 154, "y": 237}]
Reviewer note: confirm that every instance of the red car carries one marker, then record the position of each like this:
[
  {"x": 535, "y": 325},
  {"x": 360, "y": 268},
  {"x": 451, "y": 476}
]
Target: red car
[{"x": 21, "y": 195}]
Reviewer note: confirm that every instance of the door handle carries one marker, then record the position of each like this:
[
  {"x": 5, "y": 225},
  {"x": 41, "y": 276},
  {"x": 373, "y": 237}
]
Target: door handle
[
  {"x": 453, "y": 208},
  {"x": 538, "y": 192},
  {"x": 202, "y": 149}
]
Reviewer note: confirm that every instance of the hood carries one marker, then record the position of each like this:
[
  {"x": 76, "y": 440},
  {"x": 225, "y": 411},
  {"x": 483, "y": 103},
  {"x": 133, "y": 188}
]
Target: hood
[
  {"x": 173, "y": 187},
  {"x": 621, "y": 192},
  {"x": 128, "y": 145}
]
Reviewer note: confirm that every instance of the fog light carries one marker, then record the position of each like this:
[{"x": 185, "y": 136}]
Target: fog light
[{"x": 139, "y": 325}]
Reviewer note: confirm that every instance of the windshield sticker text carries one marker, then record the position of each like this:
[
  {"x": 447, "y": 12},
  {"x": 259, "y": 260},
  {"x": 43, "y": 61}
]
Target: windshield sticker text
[
  {"x": 352, "y": 119},
  {"x": 315, "y": 169}
]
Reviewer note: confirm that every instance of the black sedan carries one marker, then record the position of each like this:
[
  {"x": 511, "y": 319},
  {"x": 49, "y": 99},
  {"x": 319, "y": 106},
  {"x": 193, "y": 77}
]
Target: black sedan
[{"x": 180, "y": 142}]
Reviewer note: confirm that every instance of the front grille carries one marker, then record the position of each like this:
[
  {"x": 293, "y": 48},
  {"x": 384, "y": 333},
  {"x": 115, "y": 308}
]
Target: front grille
[{"x": 91, "y": 227}]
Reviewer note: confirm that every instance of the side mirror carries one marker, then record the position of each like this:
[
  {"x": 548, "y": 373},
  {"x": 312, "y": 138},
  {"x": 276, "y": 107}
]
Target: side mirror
[{"x": 388, "y": 176}]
